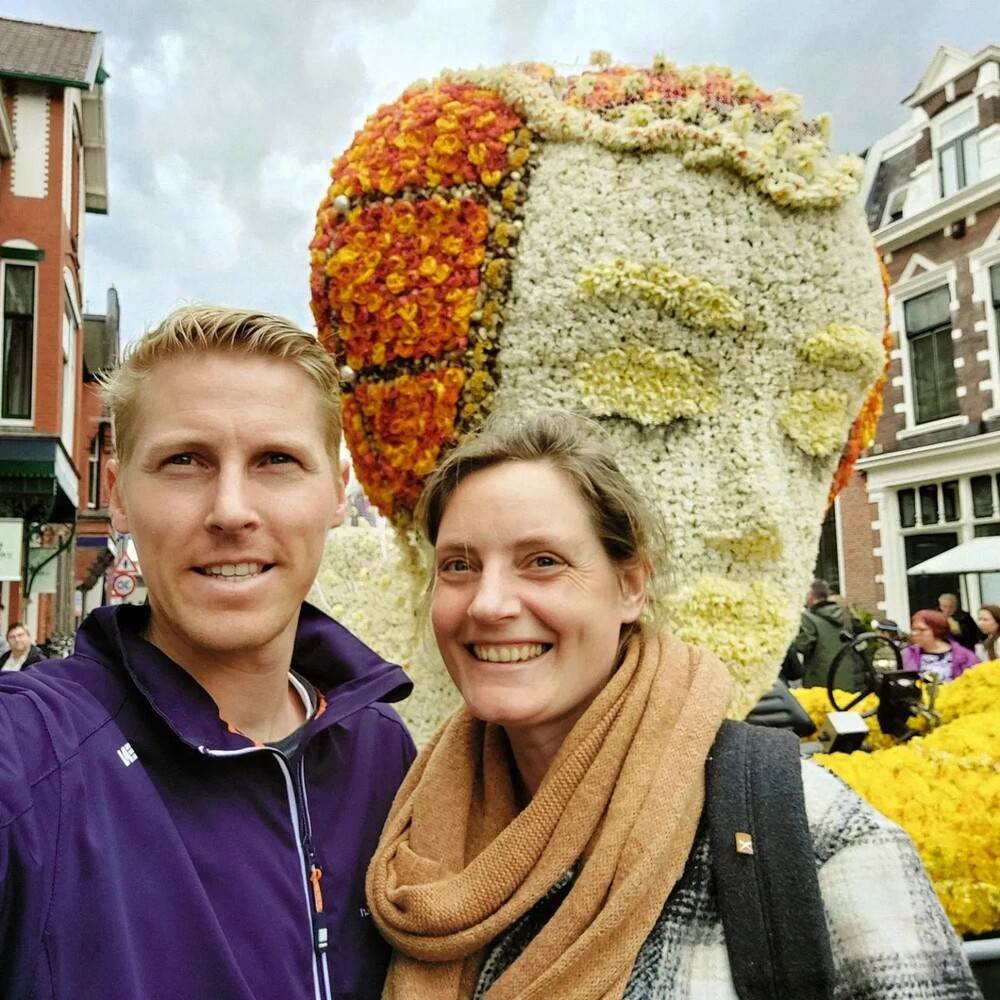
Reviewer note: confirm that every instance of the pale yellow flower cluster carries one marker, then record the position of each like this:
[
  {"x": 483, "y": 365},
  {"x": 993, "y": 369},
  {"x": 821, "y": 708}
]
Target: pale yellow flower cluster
[
  {"x": 644, "y": 384},
  {"x": 817, "y": 420},
  {"x": 742, "y": 624},
  {"x": 700, "y": 304}
]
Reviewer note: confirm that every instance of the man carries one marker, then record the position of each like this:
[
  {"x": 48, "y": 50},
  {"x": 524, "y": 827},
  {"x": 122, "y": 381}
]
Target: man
[
  {"x": 962, "y": 624},
  {"x": 22, "y": 652},
  {"x": 823, "y": 630},
  {"x": 188, "y": 803}
]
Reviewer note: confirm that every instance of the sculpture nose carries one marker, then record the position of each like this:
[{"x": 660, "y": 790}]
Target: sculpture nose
[{"x": 757, "y": 539}]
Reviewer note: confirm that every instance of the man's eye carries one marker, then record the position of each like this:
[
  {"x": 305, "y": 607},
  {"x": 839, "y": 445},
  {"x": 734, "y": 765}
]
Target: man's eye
[
  {"x": 182, "y": 459},
  {"x": 279, "y": 458}
]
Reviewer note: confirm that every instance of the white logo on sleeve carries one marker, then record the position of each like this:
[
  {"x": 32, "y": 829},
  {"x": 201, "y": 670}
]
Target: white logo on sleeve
[{"x": 127, "y": 755}]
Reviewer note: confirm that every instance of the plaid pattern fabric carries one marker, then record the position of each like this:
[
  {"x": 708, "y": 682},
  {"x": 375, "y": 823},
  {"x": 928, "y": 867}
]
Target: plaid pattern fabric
[{"x": 889, "y": 935}]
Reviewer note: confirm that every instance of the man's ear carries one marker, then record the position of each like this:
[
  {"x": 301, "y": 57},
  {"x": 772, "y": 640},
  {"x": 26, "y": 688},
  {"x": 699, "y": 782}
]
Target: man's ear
[
  {"x": 634, "y": 580},
  {"x": 342, "y": 480},
  {"x": 116, "y": 502}
]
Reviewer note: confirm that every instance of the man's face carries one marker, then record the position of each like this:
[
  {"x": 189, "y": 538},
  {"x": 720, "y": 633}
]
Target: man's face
[
  {"x": 733, "y": 427},
  {"x": 947, "y": 605},
  {"x": 19, "y": 639},
  {"x": 228, "y": 494}
]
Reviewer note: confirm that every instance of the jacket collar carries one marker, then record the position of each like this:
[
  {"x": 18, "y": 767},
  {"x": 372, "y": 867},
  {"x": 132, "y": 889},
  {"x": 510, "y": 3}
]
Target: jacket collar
[{"x": 349, "y": 675}]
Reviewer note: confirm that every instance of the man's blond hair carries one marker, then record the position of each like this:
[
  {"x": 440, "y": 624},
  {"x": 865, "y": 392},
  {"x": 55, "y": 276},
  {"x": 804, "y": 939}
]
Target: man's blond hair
[{"x": 200, "y": 329}]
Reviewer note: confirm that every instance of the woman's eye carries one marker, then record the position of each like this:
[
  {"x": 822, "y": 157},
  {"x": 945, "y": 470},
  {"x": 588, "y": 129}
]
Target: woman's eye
[
  {"x": 454, "y": 566},
  {"x": 544, "y": 562}
]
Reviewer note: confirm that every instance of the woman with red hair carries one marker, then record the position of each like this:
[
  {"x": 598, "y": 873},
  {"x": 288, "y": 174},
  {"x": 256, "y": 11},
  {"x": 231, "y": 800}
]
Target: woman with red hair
[{"x": 933, "y": 650}]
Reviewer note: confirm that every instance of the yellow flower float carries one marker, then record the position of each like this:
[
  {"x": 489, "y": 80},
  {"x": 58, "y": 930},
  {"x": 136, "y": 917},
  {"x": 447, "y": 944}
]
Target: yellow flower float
[{"x": 943, "y": 788}]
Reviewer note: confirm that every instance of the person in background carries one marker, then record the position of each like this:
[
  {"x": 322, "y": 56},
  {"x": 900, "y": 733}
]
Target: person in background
[
  {"x": 933, "y": 649},
  {"x": 823, "y": 630},
  {"x": 988, "y": 620},
  {"x": 960, "y": 622},
  {"x": 22, "y": 652},
  {"x": 549, "y": 840},
  {"x": 889, "y": 629},
  {"x": 188, "y": 803},
  {"x": 854, "y": 624}
]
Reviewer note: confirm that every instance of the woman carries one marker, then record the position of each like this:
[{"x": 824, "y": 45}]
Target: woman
[
  {"x": 549, "y": 841},
  {"x": 933, "y": 650},
  {"x": 988, "y": 621}
]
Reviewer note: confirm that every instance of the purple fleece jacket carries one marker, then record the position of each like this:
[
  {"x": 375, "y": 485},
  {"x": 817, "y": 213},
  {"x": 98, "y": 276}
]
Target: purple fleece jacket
[
  {"x": 961, "y": 658},
  {"x": 149, "y": 852}
]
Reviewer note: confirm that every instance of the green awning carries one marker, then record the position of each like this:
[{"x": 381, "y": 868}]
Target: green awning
[{"x": 38, "y": 481}]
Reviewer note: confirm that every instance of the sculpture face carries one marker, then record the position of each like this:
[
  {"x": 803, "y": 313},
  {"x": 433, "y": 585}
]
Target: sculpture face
[
  {"x": 727, "y": 343},
  {"x": 672, "y": 251}
]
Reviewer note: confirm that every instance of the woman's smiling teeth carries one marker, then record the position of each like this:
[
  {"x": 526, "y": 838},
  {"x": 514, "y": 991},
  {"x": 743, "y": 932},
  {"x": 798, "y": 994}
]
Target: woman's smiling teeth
[
  {"x": 233, "y": 569},
  {"x": 509, "y": 653}
]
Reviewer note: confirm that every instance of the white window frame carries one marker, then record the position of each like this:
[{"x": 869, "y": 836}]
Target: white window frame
[
  {"x": 939, "y": 124},
  {"x": 897, "y": 194},
  {"x": 901, "y": 293},
  {"x": 981, "y": 261},
  {"x": 72, "y": 321}
]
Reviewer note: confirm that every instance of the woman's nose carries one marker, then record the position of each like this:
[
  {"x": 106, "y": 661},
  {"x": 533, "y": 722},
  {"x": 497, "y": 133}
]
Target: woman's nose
[{"x": 495, "y": 598}]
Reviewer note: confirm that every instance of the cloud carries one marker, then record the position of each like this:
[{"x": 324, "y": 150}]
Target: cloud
[{"x": 225, "y": 118}]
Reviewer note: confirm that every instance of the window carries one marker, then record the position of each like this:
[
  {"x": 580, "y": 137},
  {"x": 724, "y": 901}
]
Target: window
[
  {"x": 932, "y": 503},
  {"x": 934, "y": 517},
  {"x": 18, "y": 340},
  {"x": 986, "y": 497},
  {"x": 827, "y": 559},
  {"x": 894, "y": 206},
  {"x": 932, "y": 360},
  {"x": 958, "y": 152},
  {"x": 94, "y": 472}
]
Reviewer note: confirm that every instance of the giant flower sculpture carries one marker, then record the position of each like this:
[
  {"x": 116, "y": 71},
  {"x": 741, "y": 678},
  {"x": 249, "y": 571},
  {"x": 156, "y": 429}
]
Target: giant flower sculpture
[{"x": 675, "y": 252}]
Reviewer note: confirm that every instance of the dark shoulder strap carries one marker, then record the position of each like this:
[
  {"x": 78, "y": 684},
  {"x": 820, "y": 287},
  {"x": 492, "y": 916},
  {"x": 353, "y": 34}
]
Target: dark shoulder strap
[{"x": 769, "y": 900}]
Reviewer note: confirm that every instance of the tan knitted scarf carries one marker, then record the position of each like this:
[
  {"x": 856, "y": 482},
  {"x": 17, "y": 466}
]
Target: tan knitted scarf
[{"x": 457, "y": 863}]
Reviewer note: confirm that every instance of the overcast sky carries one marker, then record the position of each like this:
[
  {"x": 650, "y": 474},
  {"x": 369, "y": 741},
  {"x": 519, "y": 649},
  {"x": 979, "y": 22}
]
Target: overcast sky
[{"x": 224, "y": 117}]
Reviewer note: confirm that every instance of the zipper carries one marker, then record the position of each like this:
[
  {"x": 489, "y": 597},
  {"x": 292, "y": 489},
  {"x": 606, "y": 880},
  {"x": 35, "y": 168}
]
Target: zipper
[{"x": 312, "y": 874}]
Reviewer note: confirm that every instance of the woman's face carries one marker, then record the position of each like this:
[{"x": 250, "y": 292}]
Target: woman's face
[
  {"x": 987, "y": 623},
  {"x": 923, "y": 634},
  {"x": 527, "y": 606}
]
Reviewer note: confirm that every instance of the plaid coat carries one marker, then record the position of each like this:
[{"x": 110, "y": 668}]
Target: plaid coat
[{"x": 889, "y": 935}]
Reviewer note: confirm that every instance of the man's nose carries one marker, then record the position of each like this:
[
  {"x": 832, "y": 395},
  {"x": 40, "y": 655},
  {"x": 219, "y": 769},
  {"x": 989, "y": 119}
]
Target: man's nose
[{"x": 232, "y": 506}]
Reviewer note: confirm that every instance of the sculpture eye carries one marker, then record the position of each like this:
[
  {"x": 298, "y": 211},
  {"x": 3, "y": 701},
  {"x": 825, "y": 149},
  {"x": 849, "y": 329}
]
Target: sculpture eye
[
  {"x": 648, "y": 386},
  {"x": 639, "y": 381},
  {"x": 693, "y": 301}
]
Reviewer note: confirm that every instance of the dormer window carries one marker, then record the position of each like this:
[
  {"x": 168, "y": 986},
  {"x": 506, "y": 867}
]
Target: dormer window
[
  {"x": 894, "y": 206},
  {"x": 958, "y": 151}
]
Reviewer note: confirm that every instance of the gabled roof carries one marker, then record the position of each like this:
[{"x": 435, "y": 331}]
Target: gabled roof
[
  {"x": 50, "y": 54},
  {"x": 946, "y": 64}
]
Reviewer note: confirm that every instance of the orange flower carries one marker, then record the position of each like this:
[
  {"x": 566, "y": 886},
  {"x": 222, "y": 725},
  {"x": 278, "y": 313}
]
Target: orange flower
[{"x": 396, "y": 430}]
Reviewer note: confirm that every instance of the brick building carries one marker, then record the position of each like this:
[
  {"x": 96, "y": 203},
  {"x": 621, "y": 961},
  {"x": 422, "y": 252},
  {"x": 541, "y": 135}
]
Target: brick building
[
  {"x": 53, "y": 170},
  {"x": 932, "y": 478}
]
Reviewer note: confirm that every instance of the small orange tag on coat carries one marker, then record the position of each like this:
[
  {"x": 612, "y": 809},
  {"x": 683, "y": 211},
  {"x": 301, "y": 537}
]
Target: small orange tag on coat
[{"x": 744, "y": 843}]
